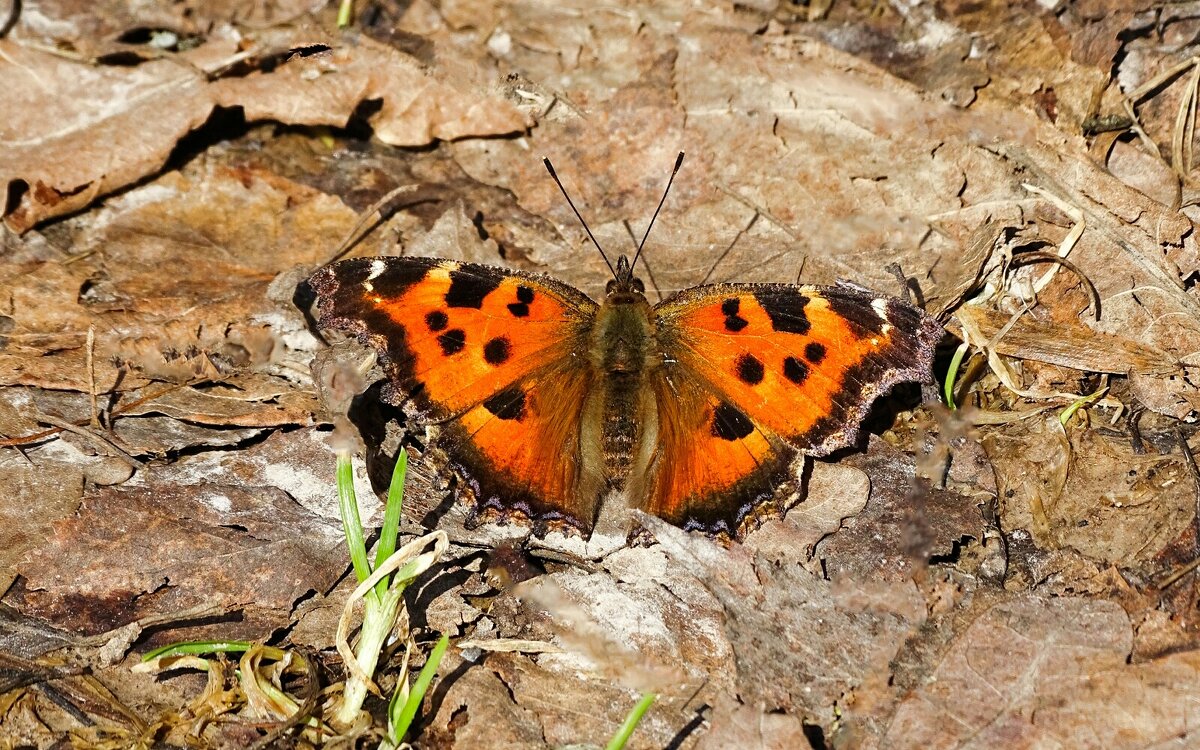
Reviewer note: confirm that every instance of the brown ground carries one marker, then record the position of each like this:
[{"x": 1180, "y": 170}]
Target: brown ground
[{"x": 1009, "y": 574}]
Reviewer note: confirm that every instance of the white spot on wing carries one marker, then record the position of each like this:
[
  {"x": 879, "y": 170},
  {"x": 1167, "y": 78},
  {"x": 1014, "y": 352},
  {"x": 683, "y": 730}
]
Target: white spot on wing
[
  {"x": 377, "y": 268},
  {"x": 880, "y": 306}
]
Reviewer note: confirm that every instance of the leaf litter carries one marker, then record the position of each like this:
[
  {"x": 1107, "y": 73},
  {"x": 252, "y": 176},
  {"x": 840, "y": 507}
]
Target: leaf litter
[{"x": 1017, "y": 570}]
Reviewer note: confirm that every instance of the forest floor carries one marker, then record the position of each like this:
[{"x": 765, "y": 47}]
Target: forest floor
[{"x": 1015, "y": 569}]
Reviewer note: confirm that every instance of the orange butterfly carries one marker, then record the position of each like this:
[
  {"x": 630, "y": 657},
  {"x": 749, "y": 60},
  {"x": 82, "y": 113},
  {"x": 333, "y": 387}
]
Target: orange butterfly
[{"x": 692, "y": 409}]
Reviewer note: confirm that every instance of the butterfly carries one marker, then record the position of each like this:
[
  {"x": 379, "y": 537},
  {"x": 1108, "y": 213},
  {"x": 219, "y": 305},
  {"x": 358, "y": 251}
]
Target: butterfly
[{"x": 693, "y": 409}]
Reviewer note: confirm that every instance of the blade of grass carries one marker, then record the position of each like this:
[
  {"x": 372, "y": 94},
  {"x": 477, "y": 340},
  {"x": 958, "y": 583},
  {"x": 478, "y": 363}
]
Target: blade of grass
[
  {"x": 952, "y": 374},
  {"x": 197, "y": 648},
  {"x": 345, "y": 12},
  {"x": 351, "y": 523},
  {"x": 1069, "y": 412},
  {"x": 391, "y": 518},
  {"x": 631, "y": 722},
  {"x": 401, "y": 720}
]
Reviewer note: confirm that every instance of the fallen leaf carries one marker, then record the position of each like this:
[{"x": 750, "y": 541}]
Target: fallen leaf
[
  {"x": 1034, "y": 671},
  {"x": 132, "y": 552}
]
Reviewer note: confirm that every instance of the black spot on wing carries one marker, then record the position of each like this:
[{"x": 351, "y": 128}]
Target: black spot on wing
[
  {"x": 497, "y": 351},
  {"x": 750, "y": 370},
  {"x": 795, "y": 370},
  {"x": 733, "y": 322},
  {"x": 520, "y": 308},
  {"x": 452, "y": 341},
  {"x": 730, "y": 424},
  {"x": 814, "y": 352},
  {"x": 785, "y": 307},
  {"x": 508, "y": 404},
  {"x": 469, "y": 289},
  {"x": 437, "y": 320}
]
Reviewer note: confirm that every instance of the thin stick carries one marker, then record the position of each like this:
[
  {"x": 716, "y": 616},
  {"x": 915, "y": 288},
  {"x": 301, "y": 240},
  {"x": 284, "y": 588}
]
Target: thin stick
[
  {"x": 358, "y": 231},
  {"x": 586, "y": 228},
  {"x": 91, "y": 373},
  {"x": 99, "y": 440}
]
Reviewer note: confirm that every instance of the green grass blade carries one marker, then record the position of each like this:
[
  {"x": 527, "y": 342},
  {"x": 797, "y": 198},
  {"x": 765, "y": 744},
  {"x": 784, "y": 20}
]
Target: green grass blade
[
  {"x": 351, "y": 524},
  {"x": 631, "y": 722},
  {"x": 401, "y": 720},
  {"x": 952, "y": 374},
  {"x": 197, "y": 648},
  {"x": 391, "y": 518},
  {"x": 1078, "y": 404},
  {"x": 345, "y": 13}
]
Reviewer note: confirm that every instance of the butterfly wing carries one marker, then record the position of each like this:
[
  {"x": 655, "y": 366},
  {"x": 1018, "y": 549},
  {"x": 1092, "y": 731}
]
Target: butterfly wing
[
  {"x": 482, "y": 351},
  {"x": 767, "y": 370},
  {"x": 713, "y": 466}
]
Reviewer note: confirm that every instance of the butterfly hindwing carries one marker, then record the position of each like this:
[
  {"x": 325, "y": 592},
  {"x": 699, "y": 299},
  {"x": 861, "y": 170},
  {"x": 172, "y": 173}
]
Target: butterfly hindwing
[
  {"x": 714, "y": 466},
  {"x": 802, "y": 362},
  {"x": 518, "y": 451}
]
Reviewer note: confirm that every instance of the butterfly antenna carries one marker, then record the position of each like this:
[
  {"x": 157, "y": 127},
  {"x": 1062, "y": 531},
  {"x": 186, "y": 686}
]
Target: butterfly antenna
[
  {"x": 586, "y": 228},
  {"x": 675, "y": 171}
]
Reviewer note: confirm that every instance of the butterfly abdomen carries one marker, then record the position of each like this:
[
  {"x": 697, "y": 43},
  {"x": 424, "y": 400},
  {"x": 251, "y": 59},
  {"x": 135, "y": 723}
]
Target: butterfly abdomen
[{"x": 623, "y": 353}]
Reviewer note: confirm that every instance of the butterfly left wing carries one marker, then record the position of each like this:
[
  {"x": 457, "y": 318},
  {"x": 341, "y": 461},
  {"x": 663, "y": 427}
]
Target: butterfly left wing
[
  {"x": 760, "y": 371},
  {"x": 489, "y": 354},
  {"x": 450, "y": 335}
]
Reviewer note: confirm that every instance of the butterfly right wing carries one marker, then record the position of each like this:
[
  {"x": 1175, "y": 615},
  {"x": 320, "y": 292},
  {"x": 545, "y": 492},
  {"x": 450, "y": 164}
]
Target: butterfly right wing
[{"x": 714, "y": 467}]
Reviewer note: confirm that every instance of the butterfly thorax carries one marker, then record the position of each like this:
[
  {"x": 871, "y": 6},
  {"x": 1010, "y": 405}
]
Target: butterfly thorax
[{"x": 624, "y": 352}]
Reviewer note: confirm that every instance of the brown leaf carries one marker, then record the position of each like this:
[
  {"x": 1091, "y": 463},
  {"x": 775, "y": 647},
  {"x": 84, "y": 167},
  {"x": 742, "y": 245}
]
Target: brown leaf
[
  {"x": 73, "y": 132},
  {"x": 797, "y": 650},
  {"x": 905, "y": 522},
  {"x": 326, "y": 89},
  {"x": 1072, "y": 345},
  {"x": 36, "y": 496},
  {"x": 133, "y": 552},
  {"x": 1096, "y": 495},
  {"x": 479, "y": 710},
  {"x": 252, "y": 400},
  {"x": 1030, "y": 672},
  {"x": 835, "y": 493}
]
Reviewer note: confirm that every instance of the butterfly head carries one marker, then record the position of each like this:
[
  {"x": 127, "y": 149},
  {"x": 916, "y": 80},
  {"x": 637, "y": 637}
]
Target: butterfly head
[{"x": 625, "y": 288}]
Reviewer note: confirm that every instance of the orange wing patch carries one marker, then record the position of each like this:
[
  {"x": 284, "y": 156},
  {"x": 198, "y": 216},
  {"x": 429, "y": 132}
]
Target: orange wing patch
[
  {"x": 451, "y": 334},
  {"x": 805, "y": 362},
  {"x": 519, "y": 450},
  {"x": 714, "y": 467}
]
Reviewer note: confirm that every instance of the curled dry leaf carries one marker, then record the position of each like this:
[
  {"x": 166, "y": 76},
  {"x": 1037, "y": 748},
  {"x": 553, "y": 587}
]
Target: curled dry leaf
[
  {"x": 326, "y": 89},
  {"x": 1068, "y": 345},
  {"x": 75, "y": 131}
]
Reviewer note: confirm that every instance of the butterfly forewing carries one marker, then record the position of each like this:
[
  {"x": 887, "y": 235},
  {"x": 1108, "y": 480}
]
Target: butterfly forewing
[{"x": 450, "y": 334}]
